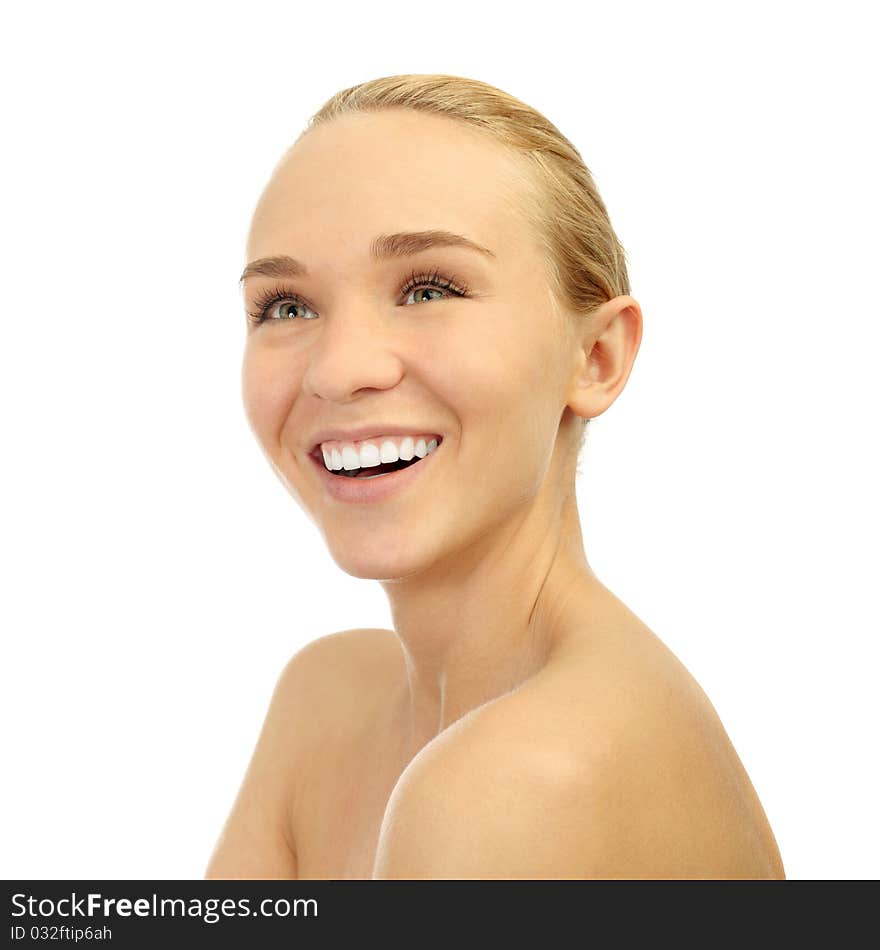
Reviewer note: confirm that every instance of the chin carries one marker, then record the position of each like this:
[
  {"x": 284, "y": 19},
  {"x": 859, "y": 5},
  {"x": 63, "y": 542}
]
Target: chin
[{"x": 376, "y": 561}]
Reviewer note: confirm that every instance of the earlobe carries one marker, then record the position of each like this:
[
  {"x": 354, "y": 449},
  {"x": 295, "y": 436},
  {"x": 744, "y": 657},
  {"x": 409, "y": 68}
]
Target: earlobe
[{"x": 606, "y": 353}]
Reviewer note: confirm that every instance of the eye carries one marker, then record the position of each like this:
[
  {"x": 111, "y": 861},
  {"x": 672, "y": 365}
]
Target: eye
[
  {"x": 433, "y": 281},
  {"x": 425, "y": 290},
  {"x": 266, "y": 309}
]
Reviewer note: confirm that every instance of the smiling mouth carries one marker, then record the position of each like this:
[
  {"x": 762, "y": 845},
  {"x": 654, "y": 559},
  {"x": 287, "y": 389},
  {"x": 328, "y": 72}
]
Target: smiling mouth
[{"x": 372, "y": 471}]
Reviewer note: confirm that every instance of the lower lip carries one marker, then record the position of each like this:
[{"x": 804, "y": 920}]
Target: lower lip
[{"x": 365, "y": 490}]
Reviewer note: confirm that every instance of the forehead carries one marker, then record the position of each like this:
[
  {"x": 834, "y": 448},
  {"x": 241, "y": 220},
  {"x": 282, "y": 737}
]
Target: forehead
[{"x": 361, "y": 175}]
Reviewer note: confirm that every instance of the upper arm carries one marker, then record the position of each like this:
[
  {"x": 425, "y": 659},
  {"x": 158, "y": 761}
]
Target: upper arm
[{"x": 257, "y": 840}]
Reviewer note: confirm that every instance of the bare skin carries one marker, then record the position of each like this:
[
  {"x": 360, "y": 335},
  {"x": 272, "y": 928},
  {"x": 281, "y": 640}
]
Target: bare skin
[
  {"x": 519, "y": 721},
  {"x": 335, "y": 746}
]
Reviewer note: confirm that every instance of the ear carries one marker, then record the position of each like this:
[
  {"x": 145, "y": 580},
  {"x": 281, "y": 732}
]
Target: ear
[{"x": 606, "y": 344}]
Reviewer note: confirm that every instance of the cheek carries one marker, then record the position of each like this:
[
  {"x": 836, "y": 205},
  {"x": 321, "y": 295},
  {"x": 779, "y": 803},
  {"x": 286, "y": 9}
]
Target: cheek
[
  {"x": 268, "y": 388},
  {"x": 509, "y": 382},
  {"x": 500, "y": 370},
  {"x": 468, "y": 374}
]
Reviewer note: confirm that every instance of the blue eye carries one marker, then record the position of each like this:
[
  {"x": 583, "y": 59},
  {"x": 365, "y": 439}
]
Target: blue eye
[{"x": 268, "y": 301}]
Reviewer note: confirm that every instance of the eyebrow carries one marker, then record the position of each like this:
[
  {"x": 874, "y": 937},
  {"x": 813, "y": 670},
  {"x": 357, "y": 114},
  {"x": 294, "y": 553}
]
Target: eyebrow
[{"x": 400, "y": 244}]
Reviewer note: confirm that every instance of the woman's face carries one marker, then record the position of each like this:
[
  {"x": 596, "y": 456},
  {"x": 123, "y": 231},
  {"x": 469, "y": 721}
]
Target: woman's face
[{"x": 489, "y": 371}]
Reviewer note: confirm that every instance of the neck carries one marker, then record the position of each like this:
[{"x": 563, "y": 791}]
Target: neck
[{"x": 484, "y": 620}]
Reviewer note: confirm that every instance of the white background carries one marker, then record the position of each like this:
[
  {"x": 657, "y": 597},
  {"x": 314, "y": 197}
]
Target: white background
[{"x": 156, "y": 576}]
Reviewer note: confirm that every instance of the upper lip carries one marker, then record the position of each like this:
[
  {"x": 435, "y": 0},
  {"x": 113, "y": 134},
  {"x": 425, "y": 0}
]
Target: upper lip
[{"x": 365, "y": 432}]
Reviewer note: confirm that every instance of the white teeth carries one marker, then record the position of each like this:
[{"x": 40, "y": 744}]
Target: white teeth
[
  {"x": 369, "y": 455},
  {"x": 389, "y": 451},
  {"x": 332, "y": 458}
]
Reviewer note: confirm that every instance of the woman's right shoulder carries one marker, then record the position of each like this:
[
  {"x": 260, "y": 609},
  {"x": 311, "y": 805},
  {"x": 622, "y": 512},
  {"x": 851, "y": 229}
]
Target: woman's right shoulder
[
  {"x": 340, "y": 668},
  {"x": 320, "y": 687}
]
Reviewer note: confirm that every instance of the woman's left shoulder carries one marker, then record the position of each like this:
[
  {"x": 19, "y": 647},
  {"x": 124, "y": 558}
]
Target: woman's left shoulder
[
  {"x": 618, "y": 746},
  {"x": 621, "y": 729}
]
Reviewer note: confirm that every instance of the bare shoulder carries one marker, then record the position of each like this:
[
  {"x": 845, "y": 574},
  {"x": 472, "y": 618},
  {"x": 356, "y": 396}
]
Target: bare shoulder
[
  {"x": 326, "y": 668},
  {"x": 609, "y": 763},
  {"x": 328, "y": 687},
  {"x": 313, "y": 696}
]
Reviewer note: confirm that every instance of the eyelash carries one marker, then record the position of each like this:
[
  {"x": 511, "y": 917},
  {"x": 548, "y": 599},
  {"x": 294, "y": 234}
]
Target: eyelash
[{"x": 278, "y": 294}]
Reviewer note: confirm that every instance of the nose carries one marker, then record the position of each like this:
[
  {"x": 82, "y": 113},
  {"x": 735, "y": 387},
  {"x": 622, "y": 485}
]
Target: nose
[{"x": 353, "y": 350}]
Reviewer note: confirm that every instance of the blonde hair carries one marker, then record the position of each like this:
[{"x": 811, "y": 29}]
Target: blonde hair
[{"x": 585, "y": 260}]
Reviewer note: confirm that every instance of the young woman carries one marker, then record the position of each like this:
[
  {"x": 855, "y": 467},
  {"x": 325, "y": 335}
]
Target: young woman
[{"x": 437, "y": 305}]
